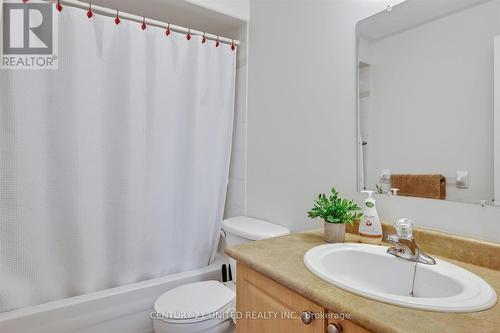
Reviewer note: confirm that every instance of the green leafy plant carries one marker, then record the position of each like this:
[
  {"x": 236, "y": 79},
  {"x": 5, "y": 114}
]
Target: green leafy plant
[
  {"x": 379, "y": 189},
  {"x": 333, "y": 209}
]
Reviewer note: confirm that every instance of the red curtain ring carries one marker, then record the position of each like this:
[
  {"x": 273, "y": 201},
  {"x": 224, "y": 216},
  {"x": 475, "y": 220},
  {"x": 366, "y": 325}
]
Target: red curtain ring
[
  {"x": 188, "y": 36},
  {"x": 232, "y": 45},
  {"x": 58, "y": 6},
  {"x": 143, "y": 25},
  {"x": 217, "y": 42},
  {"x": 167, "y": 32},
  {"x": 203, "y": 39},
  {"x": 117, "y": 18},
  {"x": 89, "y": 13}
]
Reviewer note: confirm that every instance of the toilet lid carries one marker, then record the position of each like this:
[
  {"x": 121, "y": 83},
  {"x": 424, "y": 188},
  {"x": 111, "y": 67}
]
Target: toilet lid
[{"x": 194, "y": 300}]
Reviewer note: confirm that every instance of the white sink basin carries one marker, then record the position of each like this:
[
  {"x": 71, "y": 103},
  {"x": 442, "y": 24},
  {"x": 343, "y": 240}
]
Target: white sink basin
[{"x": 367, "y": 270}]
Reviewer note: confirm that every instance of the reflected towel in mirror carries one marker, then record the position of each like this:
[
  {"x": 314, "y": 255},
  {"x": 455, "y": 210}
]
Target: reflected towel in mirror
[{"x": 422, "y": 186}]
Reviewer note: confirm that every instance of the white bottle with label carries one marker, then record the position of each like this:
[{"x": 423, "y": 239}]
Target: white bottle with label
[{"x": 370, "y": 228}]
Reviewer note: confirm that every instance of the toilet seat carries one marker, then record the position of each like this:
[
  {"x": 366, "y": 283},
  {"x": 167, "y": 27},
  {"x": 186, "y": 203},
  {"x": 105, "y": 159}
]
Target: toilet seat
[{"x": 195, "y": 302}]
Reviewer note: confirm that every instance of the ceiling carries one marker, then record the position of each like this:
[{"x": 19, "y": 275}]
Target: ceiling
[{"x": 409, "y": 14}]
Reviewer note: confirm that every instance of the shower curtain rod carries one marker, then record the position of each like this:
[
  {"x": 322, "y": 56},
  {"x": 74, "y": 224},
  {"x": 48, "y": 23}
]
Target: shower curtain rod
[{"x": 140, "y": 19}]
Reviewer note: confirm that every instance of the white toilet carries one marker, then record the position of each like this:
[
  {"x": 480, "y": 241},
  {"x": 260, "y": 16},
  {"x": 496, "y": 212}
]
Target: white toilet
[{"x": 207, "y": 306}]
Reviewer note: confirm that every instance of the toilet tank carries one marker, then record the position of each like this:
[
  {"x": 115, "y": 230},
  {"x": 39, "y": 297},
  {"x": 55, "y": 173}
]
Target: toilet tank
[{"x": 242, "y": 229}]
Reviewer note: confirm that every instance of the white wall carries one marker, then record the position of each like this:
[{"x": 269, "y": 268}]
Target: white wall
[
  {"x": 301, "y": 104},
  {"x": 236, "y": 194},
  {"x": 302, "y": 119},
  {"x": 432, "y": 100}
]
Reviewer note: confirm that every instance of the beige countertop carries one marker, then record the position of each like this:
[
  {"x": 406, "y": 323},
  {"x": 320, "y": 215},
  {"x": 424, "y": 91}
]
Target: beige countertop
[{"x": 281, "y": 259}]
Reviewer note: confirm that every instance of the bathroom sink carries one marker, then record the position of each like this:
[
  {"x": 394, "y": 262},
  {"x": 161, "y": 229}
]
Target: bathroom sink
[{"x": 367, "y": 270}]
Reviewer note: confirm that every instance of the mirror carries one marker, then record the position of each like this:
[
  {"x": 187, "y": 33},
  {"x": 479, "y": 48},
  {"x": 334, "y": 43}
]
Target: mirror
[{"x": 426, "y": 100}]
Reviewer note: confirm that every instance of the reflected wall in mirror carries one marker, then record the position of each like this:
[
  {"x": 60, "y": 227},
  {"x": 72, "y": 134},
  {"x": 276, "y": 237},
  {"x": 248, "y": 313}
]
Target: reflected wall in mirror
[{"x": 426, "y": 100}]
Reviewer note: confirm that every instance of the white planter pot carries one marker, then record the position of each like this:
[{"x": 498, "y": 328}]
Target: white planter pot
[{"x": 334, "y": 232}]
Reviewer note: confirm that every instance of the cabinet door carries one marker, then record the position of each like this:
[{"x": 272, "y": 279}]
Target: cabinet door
[{"x": 266, "y": 306}]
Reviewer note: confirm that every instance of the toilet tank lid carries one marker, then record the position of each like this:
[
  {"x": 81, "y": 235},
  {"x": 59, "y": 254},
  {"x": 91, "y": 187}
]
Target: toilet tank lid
[{"x": 252, "y": 228}]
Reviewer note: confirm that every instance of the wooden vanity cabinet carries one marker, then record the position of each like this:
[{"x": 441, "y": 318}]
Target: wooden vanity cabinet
[{"x": 266, "y": 306}]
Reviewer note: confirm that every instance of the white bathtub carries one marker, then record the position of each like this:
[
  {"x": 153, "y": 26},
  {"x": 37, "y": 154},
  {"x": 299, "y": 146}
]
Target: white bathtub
[{"x": 124, "y": 309}]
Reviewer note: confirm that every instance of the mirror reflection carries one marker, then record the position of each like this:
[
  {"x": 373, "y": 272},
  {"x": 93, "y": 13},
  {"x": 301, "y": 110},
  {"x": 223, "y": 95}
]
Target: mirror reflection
[{"x": 426, "y": 100}]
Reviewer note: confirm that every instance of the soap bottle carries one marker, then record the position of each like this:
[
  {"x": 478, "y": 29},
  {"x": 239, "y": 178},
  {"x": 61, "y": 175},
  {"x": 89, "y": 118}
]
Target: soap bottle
[{"x": 370, "y": 228}]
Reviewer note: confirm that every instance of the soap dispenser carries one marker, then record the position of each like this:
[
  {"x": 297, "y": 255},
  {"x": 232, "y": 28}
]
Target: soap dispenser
[{"x": 370, "y": 228}]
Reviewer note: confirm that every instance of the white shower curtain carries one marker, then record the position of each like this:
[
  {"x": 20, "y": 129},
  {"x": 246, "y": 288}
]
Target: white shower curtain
[{"x": 113, "y": 167}]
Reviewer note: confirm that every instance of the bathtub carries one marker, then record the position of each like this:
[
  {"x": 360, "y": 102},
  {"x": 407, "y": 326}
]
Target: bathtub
[{"x": 124, "y": 309}]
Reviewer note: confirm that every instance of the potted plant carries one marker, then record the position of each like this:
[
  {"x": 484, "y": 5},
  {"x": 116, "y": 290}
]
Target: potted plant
[{"x": 336, "y": 212}]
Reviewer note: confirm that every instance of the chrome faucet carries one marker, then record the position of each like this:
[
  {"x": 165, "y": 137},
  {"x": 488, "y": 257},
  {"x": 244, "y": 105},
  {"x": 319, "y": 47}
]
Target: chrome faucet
[{"x": 404, "y": 244}]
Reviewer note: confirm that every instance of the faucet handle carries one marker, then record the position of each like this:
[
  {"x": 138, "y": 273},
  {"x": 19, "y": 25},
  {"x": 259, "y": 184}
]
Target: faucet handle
[
  {"x": 404, "y": 228},
  {"x": 392, "y": 238}
]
